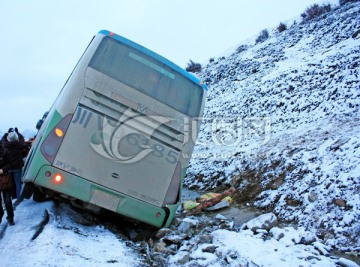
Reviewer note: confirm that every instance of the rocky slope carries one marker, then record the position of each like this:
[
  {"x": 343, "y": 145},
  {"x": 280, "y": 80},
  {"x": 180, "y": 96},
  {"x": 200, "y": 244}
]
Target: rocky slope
[{"x": 282, "y": 126}]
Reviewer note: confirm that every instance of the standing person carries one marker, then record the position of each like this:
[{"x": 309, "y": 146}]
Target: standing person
[
  {"x": 5, "y": 163},
  {"x": 4, "y": 137},
  {"x": 15, "y": 148},
  {"x": 21, "y": 137}
]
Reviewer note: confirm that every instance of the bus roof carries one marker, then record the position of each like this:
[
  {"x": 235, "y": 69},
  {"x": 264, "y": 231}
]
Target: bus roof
[{"x": 156, "y": 56}]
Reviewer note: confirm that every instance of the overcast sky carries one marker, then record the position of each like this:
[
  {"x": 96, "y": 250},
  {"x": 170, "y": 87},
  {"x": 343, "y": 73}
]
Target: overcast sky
[{"x": 42, "y": 40}]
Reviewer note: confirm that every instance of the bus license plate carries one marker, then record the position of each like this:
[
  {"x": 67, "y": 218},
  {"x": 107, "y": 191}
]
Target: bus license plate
[{"x": 104, "y": 200}]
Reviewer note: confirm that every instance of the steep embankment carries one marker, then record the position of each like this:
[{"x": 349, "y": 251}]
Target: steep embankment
[{"x": 282, "y": 125}]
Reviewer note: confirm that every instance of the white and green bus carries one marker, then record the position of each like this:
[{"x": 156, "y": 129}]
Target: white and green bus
[{"x": 119, "y": 135}]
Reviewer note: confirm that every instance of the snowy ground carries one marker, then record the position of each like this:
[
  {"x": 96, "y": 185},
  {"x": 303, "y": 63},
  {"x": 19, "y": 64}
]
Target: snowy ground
[
  {"x": 62, "y": 242},
  {"x": 244, "y": 248},
  {"x": 52, "y": 234}
]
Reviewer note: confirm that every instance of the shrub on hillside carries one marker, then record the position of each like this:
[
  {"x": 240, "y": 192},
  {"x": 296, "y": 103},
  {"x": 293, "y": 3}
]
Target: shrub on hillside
[
  {"x": 241, "y": 48},
  {"x": 193, "y": 67},
  {"x": 315, "y": 11},
  {"x": 264, "y": 34},
  {"x": 344, "y": 2},
  {"x": 282, "y": 27}
]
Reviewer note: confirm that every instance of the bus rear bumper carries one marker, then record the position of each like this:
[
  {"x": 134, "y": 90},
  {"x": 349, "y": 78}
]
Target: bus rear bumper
[{"x": 74, "y": 187}]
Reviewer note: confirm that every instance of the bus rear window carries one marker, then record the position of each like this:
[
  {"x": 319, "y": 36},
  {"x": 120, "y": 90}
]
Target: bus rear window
[{"x": 142, "y": 72}]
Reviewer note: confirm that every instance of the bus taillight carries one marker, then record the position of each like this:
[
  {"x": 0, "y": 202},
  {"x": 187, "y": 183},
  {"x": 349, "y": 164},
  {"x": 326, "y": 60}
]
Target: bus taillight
[
  {"x": 59, "y": 132},
  {"x": 58, "y": 178},
  {"x": 52, "y": 142}
]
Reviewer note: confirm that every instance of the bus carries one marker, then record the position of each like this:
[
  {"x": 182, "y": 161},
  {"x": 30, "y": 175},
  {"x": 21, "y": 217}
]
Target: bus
[{"x": 119, "y": 134}]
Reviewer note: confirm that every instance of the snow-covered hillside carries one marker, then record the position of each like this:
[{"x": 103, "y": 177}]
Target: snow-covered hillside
[{"x": 282, "y": 126}]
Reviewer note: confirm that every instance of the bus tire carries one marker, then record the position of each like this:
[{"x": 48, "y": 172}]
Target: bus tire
[
  {"x": 38, "y": 196},
  {"x": 26, "y": 191}
]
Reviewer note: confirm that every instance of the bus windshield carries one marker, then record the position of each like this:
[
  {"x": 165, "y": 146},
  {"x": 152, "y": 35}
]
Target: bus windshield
[{"x": 147, "y": 75}]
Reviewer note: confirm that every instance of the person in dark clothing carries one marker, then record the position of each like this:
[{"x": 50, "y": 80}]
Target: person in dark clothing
[
  {"x": 4, "y": 137},
  {"x": 21, "y": 137},
  {"x": 15, "y": 148},
  {"x": 5, "y": 163}
]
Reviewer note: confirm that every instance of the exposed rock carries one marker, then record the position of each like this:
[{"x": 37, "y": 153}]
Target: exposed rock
[
  {"x": 346, "y": 263},
  {"x": 264, "y": 221},
  {"x": 312, "y": 197},
  {"x": 206, "y": 238},
  {"x": 220, "y": 217},
  {"x": 340, "y": 202},
  {"x": 163, "y": 232},
  {"x": 308, "y": 238},
  {"x": 184, "y": 258},
  {"x": 340, "y": 142},
  {"x": 293, "y": 202},
  {"x": 174, "y": 239},
  {"x": 276, "y": 184},
  {"x": 323, "y": 250},
  {"x": 276, "y": 233},
  {"x": 159, "y": 246},
  {"x": 159, "y": 259},
  {"x": 356, "y": 34},
  {"x": 209, "y": 249},
  {"x": 186, "y": 227}
]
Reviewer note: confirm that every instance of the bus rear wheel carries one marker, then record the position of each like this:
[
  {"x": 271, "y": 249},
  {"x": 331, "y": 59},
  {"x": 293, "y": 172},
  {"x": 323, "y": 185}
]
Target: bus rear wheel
[
  {"x": 27, "y": 191},
  {"x": 38, "y": 195}
]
